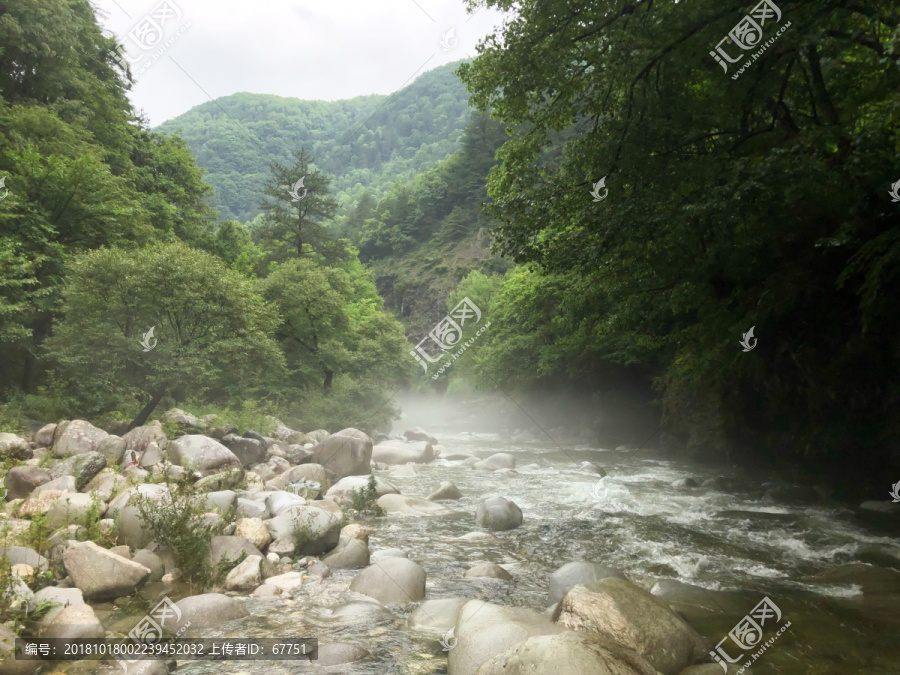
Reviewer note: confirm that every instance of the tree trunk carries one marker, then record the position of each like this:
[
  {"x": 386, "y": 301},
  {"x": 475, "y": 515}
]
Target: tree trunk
[
  {"x": 148, "y": 409},
  {"x": 329, "y": 377}
]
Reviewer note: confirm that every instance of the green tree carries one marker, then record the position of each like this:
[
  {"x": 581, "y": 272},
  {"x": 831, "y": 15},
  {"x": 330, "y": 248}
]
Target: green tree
[
  {"x": 294, "y": 219},
  {"x": 209, "y": 326}
]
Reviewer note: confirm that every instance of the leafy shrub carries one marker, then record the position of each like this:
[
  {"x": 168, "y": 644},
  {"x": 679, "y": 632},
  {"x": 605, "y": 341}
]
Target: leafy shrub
[{"x": 363, "y": 501}]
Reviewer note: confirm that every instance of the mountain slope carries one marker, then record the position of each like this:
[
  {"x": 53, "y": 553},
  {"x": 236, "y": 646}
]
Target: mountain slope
[{"x": 365, "y": 143}]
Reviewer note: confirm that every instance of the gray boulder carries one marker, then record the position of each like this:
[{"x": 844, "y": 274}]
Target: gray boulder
[
  {"x": 501, "y": 460},
  {"x": 246, "y": 576},
  {"x": 634, "y": 618},
  {"x": 446, "y": 491},
  {"x": 179, "y": 416},
  {"x": 22, "y": 555},
  {"x": 401, "y": 452},
  {"x": 74, "y": 437},
  {"x": 101, "y": 574},
  {"x": 201, "y": 453},
  {"x": 436, "y": 616},
  {"x": 315, "y": 531},
  {"x": 392, "y": 581},
  {"x": 349, "y": 554},
  {"x": 14, "y": 447},
  {"x": 43, "y": 437},
  {"x": 207, "y": 611},
  {"x": 225, "y": 549},
  {"x": 248, "y": 450},
  {"x": 567, "y": 653},
  {"x": 74, "y": 622},
  {"x": 685, "y": 483},
  {"x": 497, "y": 513},
  {"x": 332, "y": 654},
  {"x": 484, "y": 630},
  {"x": 22, "y": 480},
  {"x": 71, "y": 509},
  {"x": 488, "y": 570},
  {"x": 139, "y": 438},
  {"x": 82, "y": 467},
  {"x": 574, "y": 573},
  {"x": 419, "y": 434},
  {"x": 302, "y": 473},
  {"x": 346, "y": 453},
  {"x": 105, "y": 483},
  {"x": 252, "y": 508},
  {"x": 151, "y": 561},
  {"x": 342, "y": 491},
  {"x": 318, "y": 436}
]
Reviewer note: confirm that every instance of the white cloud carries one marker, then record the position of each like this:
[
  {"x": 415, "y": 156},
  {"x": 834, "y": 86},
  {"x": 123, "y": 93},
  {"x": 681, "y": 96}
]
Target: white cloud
[{"x": 320, "y": 50}]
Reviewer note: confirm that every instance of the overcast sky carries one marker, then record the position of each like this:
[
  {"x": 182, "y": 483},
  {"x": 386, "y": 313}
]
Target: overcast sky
[{"x": 309, "y": 49}]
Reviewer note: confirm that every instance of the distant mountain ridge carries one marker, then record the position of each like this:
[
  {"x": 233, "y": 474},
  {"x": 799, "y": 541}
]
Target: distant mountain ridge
[{"x": 366, "y": 143}]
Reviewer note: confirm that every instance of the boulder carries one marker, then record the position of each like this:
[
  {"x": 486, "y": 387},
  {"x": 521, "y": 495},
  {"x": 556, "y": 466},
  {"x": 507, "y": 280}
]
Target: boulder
[
  {"x": 74, "y": 437},
  {"x": 484, "y": 630},
  {"x": 337, "y": 653},
  {"x": 685, "y": 483},
  {"x": 289, "y": 436},
  {"x": 228, "y": 479},
  {"x": 279, "y": 501},
  {"x": 43, "y": 437},
  {"x": 346, "y": 453},
  {"x": 130, "y": 526},
  {"x": 151, "y": 561},
  {"x": 22, "y": 480},
  {"x": 315, "y": 531},
  {"x": 357, "y": 612},
  {"x": 634, "y": 618},
  {"x": 349, "y": 554},
  {"x": 501, "y": 460},
  {"x": 246, "y": 576},
  {"x": 590, "y": 467},
  {"x": 248, "y": 450},
  {"x": 201, "y": 453},
  {"x": 403, "y": 471},
  {"x": 304, "y": 473},
  {"x": 445, "y": 491},
  {"x": 392, "y": 581},
  {"x": 59, "y": 598},
  {"x": 139, "y": 438},
  {"x": 574, "y": 573},
  {"x": 70, "y": 509},
  {"x": 105, "y": 483},
  {"x": 207, "y": 610},
  {"x": 288, "y": 583},
  {"x": 83, "y": 467},
  {"x": 100, "y": 574},
  {"x": 318, "y": 436},
  {"x": 252, "y": 508},
  {"x": 873, "y": 580},
  {"x": 383, "y": 553},
  {"x": 355, "y": 531},
  {"x": 151, "y": 456},
  {"x": 497, "y": 513},
  {"x": 488, "y": 570},
  {"x": 341, "y": 492},
  {"x": 224, "y": 549},
  {"x": 74, "y": 622},
  {"x": 179, "y": 416},
  {"x": 419, "y": 434},
  {"x": 436, "y": 616},
  {"x": 401, "y": 452},
  {"x": 14, "y": 447},
  {"x": 477, "y": 537},
  {"x": 567, "y": 653},
  {"x": 22, "y": 555},
  {"x": 254, "y": 530},
  {"x": 412, "y": 506}
]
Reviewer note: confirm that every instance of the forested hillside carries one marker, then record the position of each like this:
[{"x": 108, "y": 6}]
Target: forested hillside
[{"x": 367, "y": 143}]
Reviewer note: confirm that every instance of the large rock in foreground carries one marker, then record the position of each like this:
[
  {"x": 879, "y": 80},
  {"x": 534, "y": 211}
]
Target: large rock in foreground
[
  {"x": 391, "y": 581},
  {"x": 497, "y": 513},
  {"x": 484, "y": 630},
  {"x": 401, "y": 452},
  {"x": 75, "y": 437},
  {"x": 202, "y": 453},
  {"x": 567, "y": 653},
  {"x": 346, "y": 453},
  {"x": 101, "y": 574},
  {"x": 635, "y": 619}
]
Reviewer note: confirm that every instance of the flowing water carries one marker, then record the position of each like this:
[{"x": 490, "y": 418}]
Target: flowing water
[{"x": 732, "y": 543}]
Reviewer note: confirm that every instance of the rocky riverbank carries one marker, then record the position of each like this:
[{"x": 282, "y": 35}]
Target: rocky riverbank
[{"x": 291, "y": 514}]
